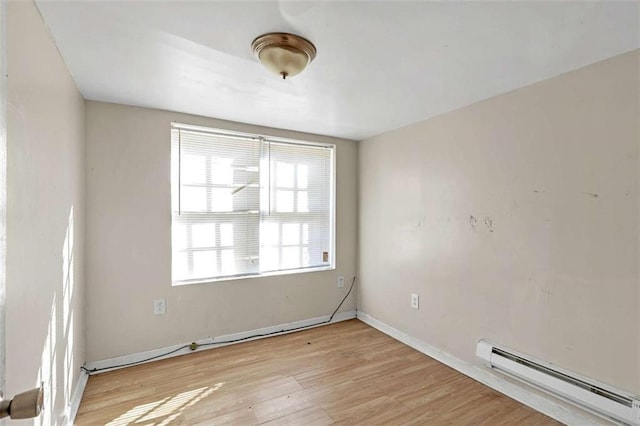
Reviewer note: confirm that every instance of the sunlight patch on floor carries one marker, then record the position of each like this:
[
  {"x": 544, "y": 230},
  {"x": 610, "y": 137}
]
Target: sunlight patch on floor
[{"x": 165, "y": 410}]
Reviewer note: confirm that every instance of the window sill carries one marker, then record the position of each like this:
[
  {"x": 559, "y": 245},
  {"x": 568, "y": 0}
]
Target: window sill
[{"x": 245, "y": 277}]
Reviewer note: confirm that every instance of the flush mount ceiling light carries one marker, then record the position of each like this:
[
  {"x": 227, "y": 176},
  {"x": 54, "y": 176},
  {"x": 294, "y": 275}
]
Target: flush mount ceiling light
[{"x": 282, "y": 53}]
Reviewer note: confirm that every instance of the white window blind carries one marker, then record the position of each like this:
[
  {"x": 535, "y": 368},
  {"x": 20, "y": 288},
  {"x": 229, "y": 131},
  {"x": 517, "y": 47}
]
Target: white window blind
[{"x": 249, "y": 205}]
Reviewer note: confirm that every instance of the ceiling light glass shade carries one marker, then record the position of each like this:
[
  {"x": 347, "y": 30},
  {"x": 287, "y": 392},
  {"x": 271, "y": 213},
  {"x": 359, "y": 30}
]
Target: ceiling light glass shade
[
  {"x": 283, "y": 54},
  {"x": 281, "y": 60}
]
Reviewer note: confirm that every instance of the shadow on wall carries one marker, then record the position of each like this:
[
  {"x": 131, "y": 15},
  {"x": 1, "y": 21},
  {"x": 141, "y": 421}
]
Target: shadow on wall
[{"x": 56, "y": 369}]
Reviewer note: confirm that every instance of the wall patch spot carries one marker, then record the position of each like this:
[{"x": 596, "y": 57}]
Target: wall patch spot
[{"x": 488, "y": 223}]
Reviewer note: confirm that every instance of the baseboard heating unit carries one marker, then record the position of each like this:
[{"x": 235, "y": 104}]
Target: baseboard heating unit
[{"x": 599, "y": 399}]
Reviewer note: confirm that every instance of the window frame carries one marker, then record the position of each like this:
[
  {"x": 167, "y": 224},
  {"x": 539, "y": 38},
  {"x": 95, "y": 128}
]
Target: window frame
[{"x": 264, "y": 138}]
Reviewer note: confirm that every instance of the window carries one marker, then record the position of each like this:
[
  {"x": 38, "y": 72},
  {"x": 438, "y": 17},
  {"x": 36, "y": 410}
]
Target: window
[{"x": 248, "y": 205}]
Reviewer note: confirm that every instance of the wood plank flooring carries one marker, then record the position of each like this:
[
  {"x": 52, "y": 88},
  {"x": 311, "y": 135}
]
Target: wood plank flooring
[{"x": 346, "y": 373}]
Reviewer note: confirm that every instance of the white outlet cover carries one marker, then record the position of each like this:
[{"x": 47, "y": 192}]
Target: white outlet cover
[
  {"x": 159, "y": 306},
  {"x": 340, "y": 281},
  {"x": 415, "y": 301}
]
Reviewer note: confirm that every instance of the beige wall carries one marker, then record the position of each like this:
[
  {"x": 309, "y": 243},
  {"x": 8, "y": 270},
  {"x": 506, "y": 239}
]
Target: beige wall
[
  {"x": 128, "y": 246},
  {"x": 553, "y": 168},
  {"x": 45, "y": 335}
]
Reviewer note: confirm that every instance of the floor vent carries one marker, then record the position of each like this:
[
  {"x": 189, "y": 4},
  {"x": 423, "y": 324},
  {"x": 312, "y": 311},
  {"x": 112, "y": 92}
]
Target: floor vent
[{"x": 597, "y": 398}]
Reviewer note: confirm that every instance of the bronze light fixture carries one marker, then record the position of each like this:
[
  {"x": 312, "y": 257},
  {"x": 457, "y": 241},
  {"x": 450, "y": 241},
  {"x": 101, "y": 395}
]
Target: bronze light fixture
[{"x": 283, "y": 53}]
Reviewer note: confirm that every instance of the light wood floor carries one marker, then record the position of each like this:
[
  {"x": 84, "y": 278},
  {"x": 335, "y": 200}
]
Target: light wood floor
[{"x": 346, "y": 373}]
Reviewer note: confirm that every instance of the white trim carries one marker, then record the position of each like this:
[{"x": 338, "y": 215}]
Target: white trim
[
  {"x": 522, "y": 394},
  {"x": 76, "y": 397},
  {"x": 111, "y": 363},
  {"x": 3, "y": 190}
]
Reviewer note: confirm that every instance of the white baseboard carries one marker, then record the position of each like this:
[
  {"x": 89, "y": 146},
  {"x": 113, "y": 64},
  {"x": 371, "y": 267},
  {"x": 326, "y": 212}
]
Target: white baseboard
[
  {"x": 117, "y": 362},
  {"x": 485, "y": 376},
  {"x": 76, "y": 397}
]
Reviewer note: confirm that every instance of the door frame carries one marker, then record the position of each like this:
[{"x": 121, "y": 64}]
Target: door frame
[{"x": 3, "y": 188}]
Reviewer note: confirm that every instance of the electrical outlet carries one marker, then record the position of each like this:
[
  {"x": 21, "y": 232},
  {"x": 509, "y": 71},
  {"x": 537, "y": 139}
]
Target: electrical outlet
[
  {"x": 340, "y": 281},
  {"x": 159, "y": 306},
  {"x": 415, "y": 301}
]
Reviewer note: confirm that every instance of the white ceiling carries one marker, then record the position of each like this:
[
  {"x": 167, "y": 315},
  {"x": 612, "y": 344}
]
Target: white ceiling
[{"x": 380, "y": 65}]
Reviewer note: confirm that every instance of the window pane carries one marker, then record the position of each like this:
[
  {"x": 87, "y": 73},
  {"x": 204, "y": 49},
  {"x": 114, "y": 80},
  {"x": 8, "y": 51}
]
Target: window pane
[
  {"x": 203, "y": 235},
  {"x": 228, "y": 262},
  {"x": 179, "y": 237},
  {"x": 221, "y": 171},
  {"x": 269, "y": 259},
  {"x": 269, "y": 235},
  {"x": 290, "y": 257},
  {"x": 194, "y": 169},
  {"x": 303, "y": 176},
  {"x": 180, "y": 268},
  {"x": 305, "y": 256},
  {"x": 305, "y": 233},
  {"x": 204, "y": 264},
  {"x": 303, "y": 202},
  {"x": 226, "y": 234},
  {"x": 284, "y": 175},
  {"x": 290, "y": 234},
  {"x": 221, "y": 200},
  {"x": 194, "y": 199},
  {"x": 284, "y": 201}
]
